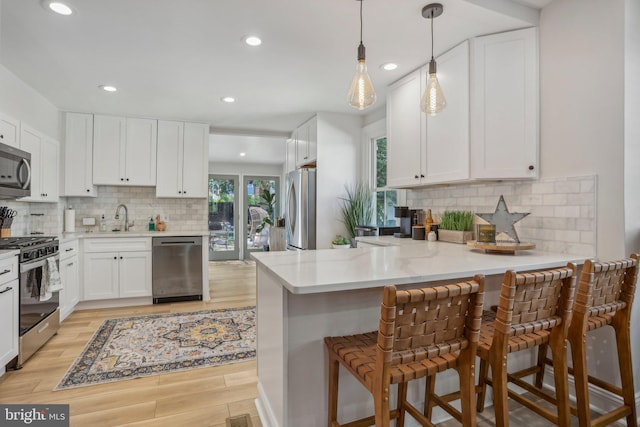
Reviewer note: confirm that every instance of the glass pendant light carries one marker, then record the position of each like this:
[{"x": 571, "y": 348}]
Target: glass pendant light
[
  {"x": 361, "y": 93},
  {"x": 433, "y": 100}
]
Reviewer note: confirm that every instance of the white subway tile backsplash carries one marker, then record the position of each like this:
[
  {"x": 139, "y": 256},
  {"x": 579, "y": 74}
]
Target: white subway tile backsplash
[{"x": 562, "y": 210}]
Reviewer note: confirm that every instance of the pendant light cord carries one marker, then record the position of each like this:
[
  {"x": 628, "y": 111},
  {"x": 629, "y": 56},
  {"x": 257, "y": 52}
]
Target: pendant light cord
[
  {"x": 432, "y": 34},
  {"x": 361, "y": 1}
]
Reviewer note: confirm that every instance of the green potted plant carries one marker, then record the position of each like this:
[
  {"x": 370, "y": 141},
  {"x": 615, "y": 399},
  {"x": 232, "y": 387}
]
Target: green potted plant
[
  {"x": 357, "y": 207},
  {"x": 456, "y": 226},
  {"x": 341, "y": 242}
]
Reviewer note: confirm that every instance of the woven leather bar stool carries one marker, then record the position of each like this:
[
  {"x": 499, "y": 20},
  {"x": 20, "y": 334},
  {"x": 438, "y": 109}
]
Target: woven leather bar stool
[
  {"x": 534, "y": 309},
  {"x": 604, "y": 298},
  {"x": 421, "y": 332}
]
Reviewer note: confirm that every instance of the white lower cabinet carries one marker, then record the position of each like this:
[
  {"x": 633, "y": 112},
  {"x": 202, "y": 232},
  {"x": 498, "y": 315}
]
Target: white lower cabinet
[
  {"x": 8, "y": 311},
  {"x": 116, "y": 268},
  {"x": 70, "y": 277}
]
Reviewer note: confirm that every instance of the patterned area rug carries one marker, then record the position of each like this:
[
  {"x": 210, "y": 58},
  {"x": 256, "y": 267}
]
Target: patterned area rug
[{"x": 135, "y": 347}]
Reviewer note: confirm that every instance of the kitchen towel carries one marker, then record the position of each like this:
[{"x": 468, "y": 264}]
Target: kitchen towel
[
  {"x": 50, "y": 279},
  {"x": 70, "y": 220}
]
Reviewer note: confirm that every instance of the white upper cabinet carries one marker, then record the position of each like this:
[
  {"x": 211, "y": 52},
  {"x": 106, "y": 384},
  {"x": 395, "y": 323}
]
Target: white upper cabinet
[
  {"x": 306, "y": 137},
  {"x": 405, "y": 132},
  {"x": 78, "y": 155},
  {"x": 448, "y": 132},
  {"x": 183, "y": 159},
  {"x": 489, "y": 129},
  {"x": 291, "y": 155},
  {"x": 505, "y": 103},
  {"x": 45, "y": 160},
  {"x": 124, "y": 151},
  {"x": 9, "y": 131}
]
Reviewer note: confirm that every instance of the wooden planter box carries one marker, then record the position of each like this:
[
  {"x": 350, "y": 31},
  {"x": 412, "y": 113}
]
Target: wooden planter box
[{"x": 455, "y": 236}]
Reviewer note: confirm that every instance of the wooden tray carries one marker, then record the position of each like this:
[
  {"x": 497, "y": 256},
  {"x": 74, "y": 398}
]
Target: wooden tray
[{"x": 502, "y": 247}]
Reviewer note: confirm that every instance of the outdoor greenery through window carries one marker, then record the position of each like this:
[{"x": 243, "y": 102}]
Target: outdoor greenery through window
[{"x": 385, "y": 199}]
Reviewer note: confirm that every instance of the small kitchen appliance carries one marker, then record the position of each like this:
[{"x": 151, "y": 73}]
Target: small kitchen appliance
[
  {"x": 15, "y": 165},
  {"x": 408, "y": 218}
]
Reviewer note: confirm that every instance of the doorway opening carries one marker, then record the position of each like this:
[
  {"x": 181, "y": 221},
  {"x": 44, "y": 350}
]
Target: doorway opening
[
  {"x": 223, "y": 211},
  {"x": 261, "y": 207}
]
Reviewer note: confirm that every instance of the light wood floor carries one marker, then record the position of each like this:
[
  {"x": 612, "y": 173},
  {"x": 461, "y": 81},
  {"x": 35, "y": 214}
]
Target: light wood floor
[{"x": 200, "y": 397}]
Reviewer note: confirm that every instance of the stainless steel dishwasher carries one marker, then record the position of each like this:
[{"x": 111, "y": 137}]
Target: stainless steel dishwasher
[{"x": 177, "y": 269}]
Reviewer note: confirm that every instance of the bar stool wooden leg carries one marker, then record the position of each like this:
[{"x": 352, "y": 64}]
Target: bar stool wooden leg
[
  {"x": 623, "y": 341},
  {"x": 466, "y": 372},
  {"x": 500, "y": 392},
  {"x": 402, "y": 397},
  {"x": 482, "y": 384},
  {"x": 579, "y": 359},
  {"x": 334, "y": 375},
  {"x": 561, "y": 373},
  {"x": 542, "y": 356},
  {"x": 381, "y": 402},
  {"x": 429, "y": 391}
]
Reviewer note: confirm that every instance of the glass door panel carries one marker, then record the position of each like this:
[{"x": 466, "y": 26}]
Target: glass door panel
[
  {"x": 223, "y": 209},
  {"x": 261, "y": 195}
]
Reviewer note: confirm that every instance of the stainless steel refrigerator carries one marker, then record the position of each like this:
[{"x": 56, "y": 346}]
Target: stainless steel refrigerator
[{"x": 300, "y": 210}]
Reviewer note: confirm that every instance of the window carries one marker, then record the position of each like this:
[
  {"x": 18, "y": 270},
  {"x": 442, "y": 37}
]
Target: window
[{"x": 386, "y": 199}]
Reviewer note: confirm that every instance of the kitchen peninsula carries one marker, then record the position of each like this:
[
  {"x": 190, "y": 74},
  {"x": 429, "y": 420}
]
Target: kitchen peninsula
[{"x": 304, "y": 296}]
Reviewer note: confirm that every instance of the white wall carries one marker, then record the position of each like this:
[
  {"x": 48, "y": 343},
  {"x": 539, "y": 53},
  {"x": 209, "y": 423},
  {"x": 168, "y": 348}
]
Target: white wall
[
  {"x": 632, "y": 154},
  {"x": 25, "y": 104},
  {"x": 338, "y": 153},
  {"x": 582, "y": 82},
  {"x": 582, "y": 107}
]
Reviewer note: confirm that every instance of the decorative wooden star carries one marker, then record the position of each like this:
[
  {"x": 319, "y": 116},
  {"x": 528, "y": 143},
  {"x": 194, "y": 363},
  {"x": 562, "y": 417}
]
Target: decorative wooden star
[{"x": 503, "y": 219}]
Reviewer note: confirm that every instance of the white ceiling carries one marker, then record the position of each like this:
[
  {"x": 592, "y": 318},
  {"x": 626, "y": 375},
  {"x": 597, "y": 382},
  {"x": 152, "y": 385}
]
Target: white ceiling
[{"x": 176, "y": 59}]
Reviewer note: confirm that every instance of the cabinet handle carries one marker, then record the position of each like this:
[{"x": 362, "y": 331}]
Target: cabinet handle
[
  {"x": 179, "y": 192},
  {"x": 531, "y": 167},
  {"x": 6, "y": 290},
  {"x": 184, "y": 192},
  {"x": 2, "y": 137},
  {"x": 5, "y": 272},
  {"x": 127, "y": 179},
  {"x": 88, "y": 191},
  {"x": 416, "y": 176},
  {"x": 115, "y": 257},
  {"x": 68, "y": 250},
  {"x": 70, "y": 264},
  {"x": 120, "y": 257},
  {"x": 421, "y": 175},
  {"x": 121, "y": 179}
]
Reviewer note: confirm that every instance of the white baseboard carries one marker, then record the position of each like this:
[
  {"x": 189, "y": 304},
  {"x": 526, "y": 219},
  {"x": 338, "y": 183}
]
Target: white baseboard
[{"x": 265, "y": 413}]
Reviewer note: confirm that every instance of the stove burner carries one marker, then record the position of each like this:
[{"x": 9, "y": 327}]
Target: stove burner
[
  {"x": 23, "y": 242},
  {"x": 31, "y": 248}
]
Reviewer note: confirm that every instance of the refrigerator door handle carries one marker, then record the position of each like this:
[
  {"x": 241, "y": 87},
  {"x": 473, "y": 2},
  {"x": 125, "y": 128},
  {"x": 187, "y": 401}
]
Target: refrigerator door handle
[{"x": 291, "y": 208}]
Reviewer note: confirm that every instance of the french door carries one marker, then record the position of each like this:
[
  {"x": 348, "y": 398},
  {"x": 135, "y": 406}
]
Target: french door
[
  {"x": 261, "y": 199},
  {"x": 223, "y": 217}
]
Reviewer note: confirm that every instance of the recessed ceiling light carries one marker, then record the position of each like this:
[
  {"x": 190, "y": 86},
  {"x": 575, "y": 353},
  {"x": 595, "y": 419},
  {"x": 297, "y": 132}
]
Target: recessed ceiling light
[
  {"x": 108, "y": 88},
  {"x": 243, "y": 154},
  {"x": 389, "y": 66},
  {"x": 60, "y": 8},
  {"x": 252, "y": 40},
  {"x": 228, "y": 99}
]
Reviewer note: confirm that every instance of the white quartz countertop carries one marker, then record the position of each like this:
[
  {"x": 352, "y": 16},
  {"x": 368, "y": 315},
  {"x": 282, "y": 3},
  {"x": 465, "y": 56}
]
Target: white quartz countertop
[
  {"x": 328, "y": 270},
  {"x": 64, "y": 237}
]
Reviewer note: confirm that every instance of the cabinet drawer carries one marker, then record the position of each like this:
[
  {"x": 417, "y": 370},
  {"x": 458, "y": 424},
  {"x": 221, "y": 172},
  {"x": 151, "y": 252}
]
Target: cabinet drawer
[
  {"x": 69, "y": 249},
  {"x": 118, "y": 244},
  {"x": 8, "y": 269}
]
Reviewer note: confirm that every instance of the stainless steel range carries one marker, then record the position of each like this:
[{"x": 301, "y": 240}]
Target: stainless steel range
[{"x": 39, "y": 319}]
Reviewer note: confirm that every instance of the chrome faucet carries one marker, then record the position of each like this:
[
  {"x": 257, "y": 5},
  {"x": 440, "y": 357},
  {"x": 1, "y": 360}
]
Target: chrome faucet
[{"x": 126, "y": 215}]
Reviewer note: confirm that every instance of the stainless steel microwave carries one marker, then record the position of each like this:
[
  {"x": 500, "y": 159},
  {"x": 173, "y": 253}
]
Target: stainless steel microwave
[{"x": 15, "y": 173}]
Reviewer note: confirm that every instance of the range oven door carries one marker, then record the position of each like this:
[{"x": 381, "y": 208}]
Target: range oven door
[{"x": 32, "y": 310}]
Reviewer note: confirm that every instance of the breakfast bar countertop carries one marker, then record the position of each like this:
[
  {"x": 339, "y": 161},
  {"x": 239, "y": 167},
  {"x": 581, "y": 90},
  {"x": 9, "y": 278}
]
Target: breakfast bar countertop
[{"x": 411, "y": 261}]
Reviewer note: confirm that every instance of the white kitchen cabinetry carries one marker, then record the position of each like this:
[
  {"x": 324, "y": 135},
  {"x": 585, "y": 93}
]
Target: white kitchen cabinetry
[
  {"x": 45, "y": 154},
  {"x": 124, "y": 151},
  {"x": 291, "y": 155},
  {"x": 70, "y": 277},
  {"x": 183, "y": 159},
  {"x": 8, "y": 310},
  {"x": 306, "y": 137},
  {"x": 78, "y": 155},
  {"x": 9, "y": 131},
  {"x": 447, "y": 139},
  {"x": 504, "y": 108},
  {"x": 406, "y": 123},
  {"x": 116, "y": 268}
]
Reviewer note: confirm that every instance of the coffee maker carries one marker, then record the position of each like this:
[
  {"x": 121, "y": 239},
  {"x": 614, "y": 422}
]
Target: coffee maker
[{"x": 408, "y": 217}]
